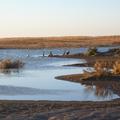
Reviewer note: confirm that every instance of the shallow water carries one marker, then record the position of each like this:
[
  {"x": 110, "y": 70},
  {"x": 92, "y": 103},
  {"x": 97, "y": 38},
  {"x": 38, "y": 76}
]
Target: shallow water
[
  {"x": 36, "y": 81},
  {"x": 35, "y": 53}
]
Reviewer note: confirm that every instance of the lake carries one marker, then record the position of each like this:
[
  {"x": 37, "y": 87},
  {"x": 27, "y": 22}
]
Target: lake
[{"x": 36, "y": 81}]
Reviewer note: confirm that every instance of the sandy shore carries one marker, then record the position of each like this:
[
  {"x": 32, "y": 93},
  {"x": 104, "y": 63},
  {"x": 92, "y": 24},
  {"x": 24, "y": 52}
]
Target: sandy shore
[
  {"x": 58, "y": 42},
  {"x": 48, "y": 110}
]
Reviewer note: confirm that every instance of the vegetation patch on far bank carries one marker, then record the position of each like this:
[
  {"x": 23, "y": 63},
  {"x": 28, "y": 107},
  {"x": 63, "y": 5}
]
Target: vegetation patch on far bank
[{"x": 58, "y": 42}]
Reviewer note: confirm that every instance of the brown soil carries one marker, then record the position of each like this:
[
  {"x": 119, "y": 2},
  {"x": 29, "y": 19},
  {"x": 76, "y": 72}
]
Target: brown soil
[
  {"x": 48, "y": 110},
  {"x": 82, "y": 78},
  {"x": 55, "y": 42},
  {"x": 90, "y": 60}
]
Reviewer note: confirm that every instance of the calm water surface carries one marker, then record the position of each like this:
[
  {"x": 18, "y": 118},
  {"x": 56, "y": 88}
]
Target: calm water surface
[{"x": 36, "y": 81}]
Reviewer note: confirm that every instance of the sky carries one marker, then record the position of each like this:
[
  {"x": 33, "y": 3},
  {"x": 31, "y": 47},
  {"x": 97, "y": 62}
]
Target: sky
[{"x": 35, "y": 18}]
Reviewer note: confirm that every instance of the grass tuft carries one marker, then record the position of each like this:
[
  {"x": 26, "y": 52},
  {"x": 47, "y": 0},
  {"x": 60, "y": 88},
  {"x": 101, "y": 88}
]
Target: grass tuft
[
  {"x": 116, "y": 68},
  {"x": 92, "y": 51},
  {"x": 107, "y": 68},
  {"x": 9, "y": 64}
]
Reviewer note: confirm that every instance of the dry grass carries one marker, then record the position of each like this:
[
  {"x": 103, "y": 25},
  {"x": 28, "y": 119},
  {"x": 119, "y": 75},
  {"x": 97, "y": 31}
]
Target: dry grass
[
  {"x": 102, "y": 67},
  {"x": 116, "y": 68},
  {"x": 107, "y": 67},
  {"x": 54, "y": 42},
  {"x": 9, "y": 64}
]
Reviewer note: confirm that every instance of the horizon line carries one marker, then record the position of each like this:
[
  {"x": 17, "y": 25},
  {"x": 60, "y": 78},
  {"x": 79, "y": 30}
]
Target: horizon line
[{"x": 59, "y": 36}]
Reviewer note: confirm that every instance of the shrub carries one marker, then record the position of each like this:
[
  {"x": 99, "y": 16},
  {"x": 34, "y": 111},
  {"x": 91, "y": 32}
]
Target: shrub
[
  {"x": 102, "y": 67},
  {"x": 92, "y": 51},
  {"x": 116, "y": 68},
  {"x": 9, "y": 64},
  {"x": 107, "y": 67}
]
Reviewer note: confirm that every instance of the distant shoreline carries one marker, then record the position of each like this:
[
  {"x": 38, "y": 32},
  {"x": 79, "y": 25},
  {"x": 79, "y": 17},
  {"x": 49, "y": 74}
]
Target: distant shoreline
[{"x": 58, "y": 42}]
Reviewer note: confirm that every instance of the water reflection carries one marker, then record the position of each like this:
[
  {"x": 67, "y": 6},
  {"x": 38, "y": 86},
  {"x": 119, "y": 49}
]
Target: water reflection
[
  {"x": 103, "y": 89},
  {"x": 9, "y": 71}
]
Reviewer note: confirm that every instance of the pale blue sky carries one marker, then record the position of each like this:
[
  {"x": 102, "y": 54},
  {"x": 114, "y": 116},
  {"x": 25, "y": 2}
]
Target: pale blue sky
[{"x": 59, "y": 17}]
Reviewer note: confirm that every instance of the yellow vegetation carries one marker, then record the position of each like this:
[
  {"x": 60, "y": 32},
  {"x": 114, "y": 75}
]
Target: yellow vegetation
[
  {"x": 9, "y": 64},
  {"x": 107, "y": 67}
]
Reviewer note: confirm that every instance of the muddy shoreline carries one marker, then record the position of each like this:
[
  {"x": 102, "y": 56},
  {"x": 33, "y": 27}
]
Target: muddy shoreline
[
  {"x": 51, "y": 110},
  {"x": 90, "y": 60}
]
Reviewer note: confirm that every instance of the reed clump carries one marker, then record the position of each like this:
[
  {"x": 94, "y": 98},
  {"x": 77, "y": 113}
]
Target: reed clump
[
  {"x": 11, "y": 64},
  {"x": 93, "y": 51},
  {"x": 116, "y": 68},
  {"x": 107, "y": 67},
  {"x": 102, "y": 67}
]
